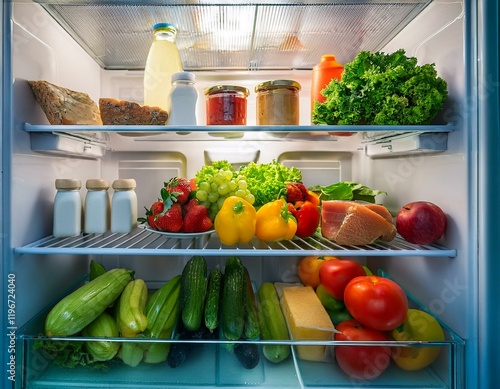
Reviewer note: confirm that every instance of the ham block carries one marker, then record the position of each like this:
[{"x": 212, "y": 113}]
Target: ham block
[{"x": 353, "y": 223}]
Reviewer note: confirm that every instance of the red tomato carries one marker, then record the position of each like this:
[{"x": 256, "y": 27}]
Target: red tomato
[
  {"x": 376, "y": 302},
  {"x": 335, "y": 275},
  {"x": 361, "y": 362}
]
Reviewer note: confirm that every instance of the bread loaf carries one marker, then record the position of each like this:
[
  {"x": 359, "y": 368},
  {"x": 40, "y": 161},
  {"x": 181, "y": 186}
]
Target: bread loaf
[
  {"x": 65, "y": 106},
  {"x": 121, "y": 112}
]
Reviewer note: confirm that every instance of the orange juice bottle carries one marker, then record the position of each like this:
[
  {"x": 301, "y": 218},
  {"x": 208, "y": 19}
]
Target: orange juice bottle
[{"x": 327, "y": 69}]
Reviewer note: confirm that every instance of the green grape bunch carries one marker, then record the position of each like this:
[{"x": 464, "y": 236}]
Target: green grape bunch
[{"x": 217, "y": 182}]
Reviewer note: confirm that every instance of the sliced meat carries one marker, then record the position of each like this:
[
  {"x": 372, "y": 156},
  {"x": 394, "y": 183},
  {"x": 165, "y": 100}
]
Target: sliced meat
[{"x": 352, "y": 223}]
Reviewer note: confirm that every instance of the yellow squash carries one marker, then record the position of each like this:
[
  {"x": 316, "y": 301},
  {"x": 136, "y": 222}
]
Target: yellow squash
[
  {"x": 275, "y": 222},
  {"x": 235, "y": 221}
]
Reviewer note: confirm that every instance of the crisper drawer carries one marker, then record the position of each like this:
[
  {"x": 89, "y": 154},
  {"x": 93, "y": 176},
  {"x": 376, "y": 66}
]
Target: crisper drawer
[{"x": 211, "y": 364}]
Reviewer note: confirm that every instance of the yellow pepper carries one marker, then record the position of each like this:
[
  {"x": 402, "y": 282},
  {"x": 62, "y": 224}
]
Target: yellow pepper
[
  {"x": 235, "y": 221},
  {"x": 275, "y": 222}
]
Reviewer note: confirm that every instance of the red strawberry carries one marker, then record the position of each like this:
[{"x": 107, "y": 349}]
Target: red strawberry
[
  {"x": 151, "y": 213},
  {"x": 197, "y": 220},
  {"x": 179, "y": 188},
  {"x": 170, "y": 219},
  {"x": 295, "y": 191},
  {"x": 154, "y": 210},
  {"x": 190, "y": 204}
]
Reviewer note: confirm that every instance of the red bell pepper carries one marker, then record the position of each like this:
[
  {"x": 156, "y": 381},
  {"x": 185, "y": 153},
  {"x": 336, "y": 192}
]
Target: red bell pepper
[{"x": 307, "y": 215}]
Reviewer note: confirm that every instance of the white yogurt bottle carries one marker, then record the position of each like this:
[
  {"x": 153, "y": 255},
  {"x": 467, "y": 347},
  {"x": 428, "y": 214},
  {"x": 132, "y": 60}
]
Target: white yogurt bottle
[
  {"x": 124, "y": 206},
  {"x": 183, "y": 100},
  {"x": 67, "y": 208},
  {"x": 97, "y": 207}
]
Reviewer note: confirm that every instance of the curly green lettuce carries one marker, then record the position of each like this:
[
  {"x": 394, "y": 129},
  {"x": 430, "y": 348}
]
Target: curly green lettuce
[
  {"x": 267, "y": 181},
  {"x": 382, "y": 89}
]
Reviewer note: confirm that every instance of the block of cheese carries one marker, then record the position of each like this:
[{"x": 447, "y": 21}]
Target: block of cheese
[
  {"x": 307, "y": 319},
  {"x": 122, "y": 112},
  {"x": 65, "y": 106}
]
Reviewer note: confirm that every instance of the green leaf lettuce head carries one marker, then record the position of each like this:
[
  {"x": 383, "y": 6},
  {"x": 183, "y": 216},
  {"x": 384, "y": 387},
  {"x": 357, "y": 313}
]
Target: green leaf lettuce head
[
  {"x": 346, "y": 190},
  {"x": 382, "y": 89},
  {"x": 267, "y": 181}
]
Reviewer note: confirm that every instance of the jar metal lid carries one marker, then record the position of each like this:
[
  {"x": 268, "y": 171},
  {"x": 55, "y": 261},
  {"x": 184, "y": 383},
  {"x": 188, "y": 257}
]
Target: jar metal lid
[
  {"x": 68, "y": 183},
  {"x": 97, "y": 183},
  {"x": 227, "y": 88},
  {"x": 124, "y": 184},
  {"x": 275, "y": 84}
]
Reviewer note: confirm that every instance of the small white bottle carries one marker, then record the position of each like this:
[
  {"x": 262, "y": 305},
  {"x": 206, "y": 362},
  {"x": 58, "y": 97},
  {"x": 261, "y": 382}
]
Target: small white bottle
[
  {"x": 183, "y": 99},
  {"x": 97, "y": 206},
  {"x": 124, "y": 206},
  {"x": 67, "y": 208}
]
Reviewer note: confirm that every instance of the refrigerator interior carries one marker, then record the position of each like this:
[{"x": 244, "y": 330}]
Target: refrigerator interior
[{"x": 41, "y": 48}]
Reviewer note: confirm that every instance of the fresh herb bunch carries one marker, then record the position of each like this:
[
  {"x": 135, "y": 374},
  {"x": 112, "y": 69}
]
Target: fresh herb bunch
[
  {"x": 346, "y": 190},
  {"x": 382, "y": 89},
  {"x": 266, "y": 181}
]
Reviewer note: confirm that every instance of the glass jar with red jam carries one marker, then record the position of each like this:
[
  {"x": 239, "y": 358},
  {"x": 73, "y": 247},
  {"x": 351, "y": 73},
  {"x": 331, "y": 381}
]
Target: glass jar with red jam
[{"x": 226, "y": 105}]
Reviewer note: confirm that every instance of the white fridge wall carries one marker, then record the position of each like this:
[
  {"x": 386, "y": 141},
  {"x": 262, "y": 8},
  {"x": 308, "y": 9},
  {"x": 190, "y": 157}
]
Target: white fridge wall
[
  {"x": 447, "y": 287},
  {"x": 43, "y": 50}
]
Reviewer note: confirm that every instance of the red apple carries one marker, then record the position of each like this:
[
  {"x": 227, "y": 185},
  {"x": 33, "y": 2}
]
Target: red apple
[{"x": 421, "y": 222}]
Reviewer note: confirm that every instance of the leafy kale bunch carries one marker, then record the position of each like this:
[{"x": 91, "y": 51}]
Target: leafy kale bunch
[{"x": 382, "y": 89}]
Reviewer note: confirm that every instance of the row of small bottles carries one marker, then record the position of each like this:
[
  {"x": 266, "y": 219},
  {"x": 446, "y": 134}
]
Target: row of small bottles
[{"x": 96, "y": 214}]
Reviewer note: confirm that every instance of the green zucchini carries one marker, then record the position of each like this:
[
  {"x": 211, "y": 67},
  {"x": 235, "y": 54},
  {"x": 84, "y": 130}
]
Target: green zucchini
[
  {"x": 96, "y": 270},
  {"x": 252, "y": 326},
  {"x": 213, "y": 299},
  {"x": 131, "y": 318},
  {"x": 131, "y": 353},
  {"x": 233, "y": 299},
  {"x": 104, "y": 326},
  {"x": 161, "y": 306},
  {"x": 273, "y": 324},
  {"x": 193, "y": 290},
  {"x": 162, "y": 312},
  {"x": 80, "y": 308}
]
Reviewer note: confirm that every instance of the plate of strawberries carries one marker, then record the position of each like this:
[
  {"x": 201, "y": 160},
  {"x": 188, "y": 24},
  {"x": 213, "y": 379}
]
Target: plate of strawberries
[{"x": 176, "y": 213}]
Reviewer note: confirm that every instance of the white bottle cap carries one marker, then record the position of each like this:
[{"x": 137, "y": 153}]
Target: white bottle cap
[
  {"x": 124, "y": 184},
  {"x": 68, "y": 183},
  {"x": 188, "y": 76}
]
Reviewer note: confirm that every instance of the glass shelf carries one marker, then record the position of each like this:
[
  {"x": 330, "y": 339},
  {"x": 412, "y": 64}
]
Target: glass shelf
[
  {"x": 37, "y": 128},
  {"x": 146, "y": 242}
]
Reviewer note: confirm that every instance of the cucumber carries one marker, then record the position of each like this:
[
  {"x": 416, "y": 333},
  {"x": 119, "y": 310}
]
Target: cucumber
[
  {"x": 193, "y": 290},
  {"x": 252, "y": 326},
  {"x": 213, "y": 299},
  {"x": 247, "y": 354},
  {"x": 233, "y": 299},
  {"x": 273, "y": 324}
]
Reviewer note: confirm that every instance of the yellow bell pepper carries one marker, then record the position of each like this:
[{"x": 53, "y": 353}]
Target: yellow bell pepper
[
  {"x": 275, "y": 222},
  {"x": 235, "y": 221}
]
